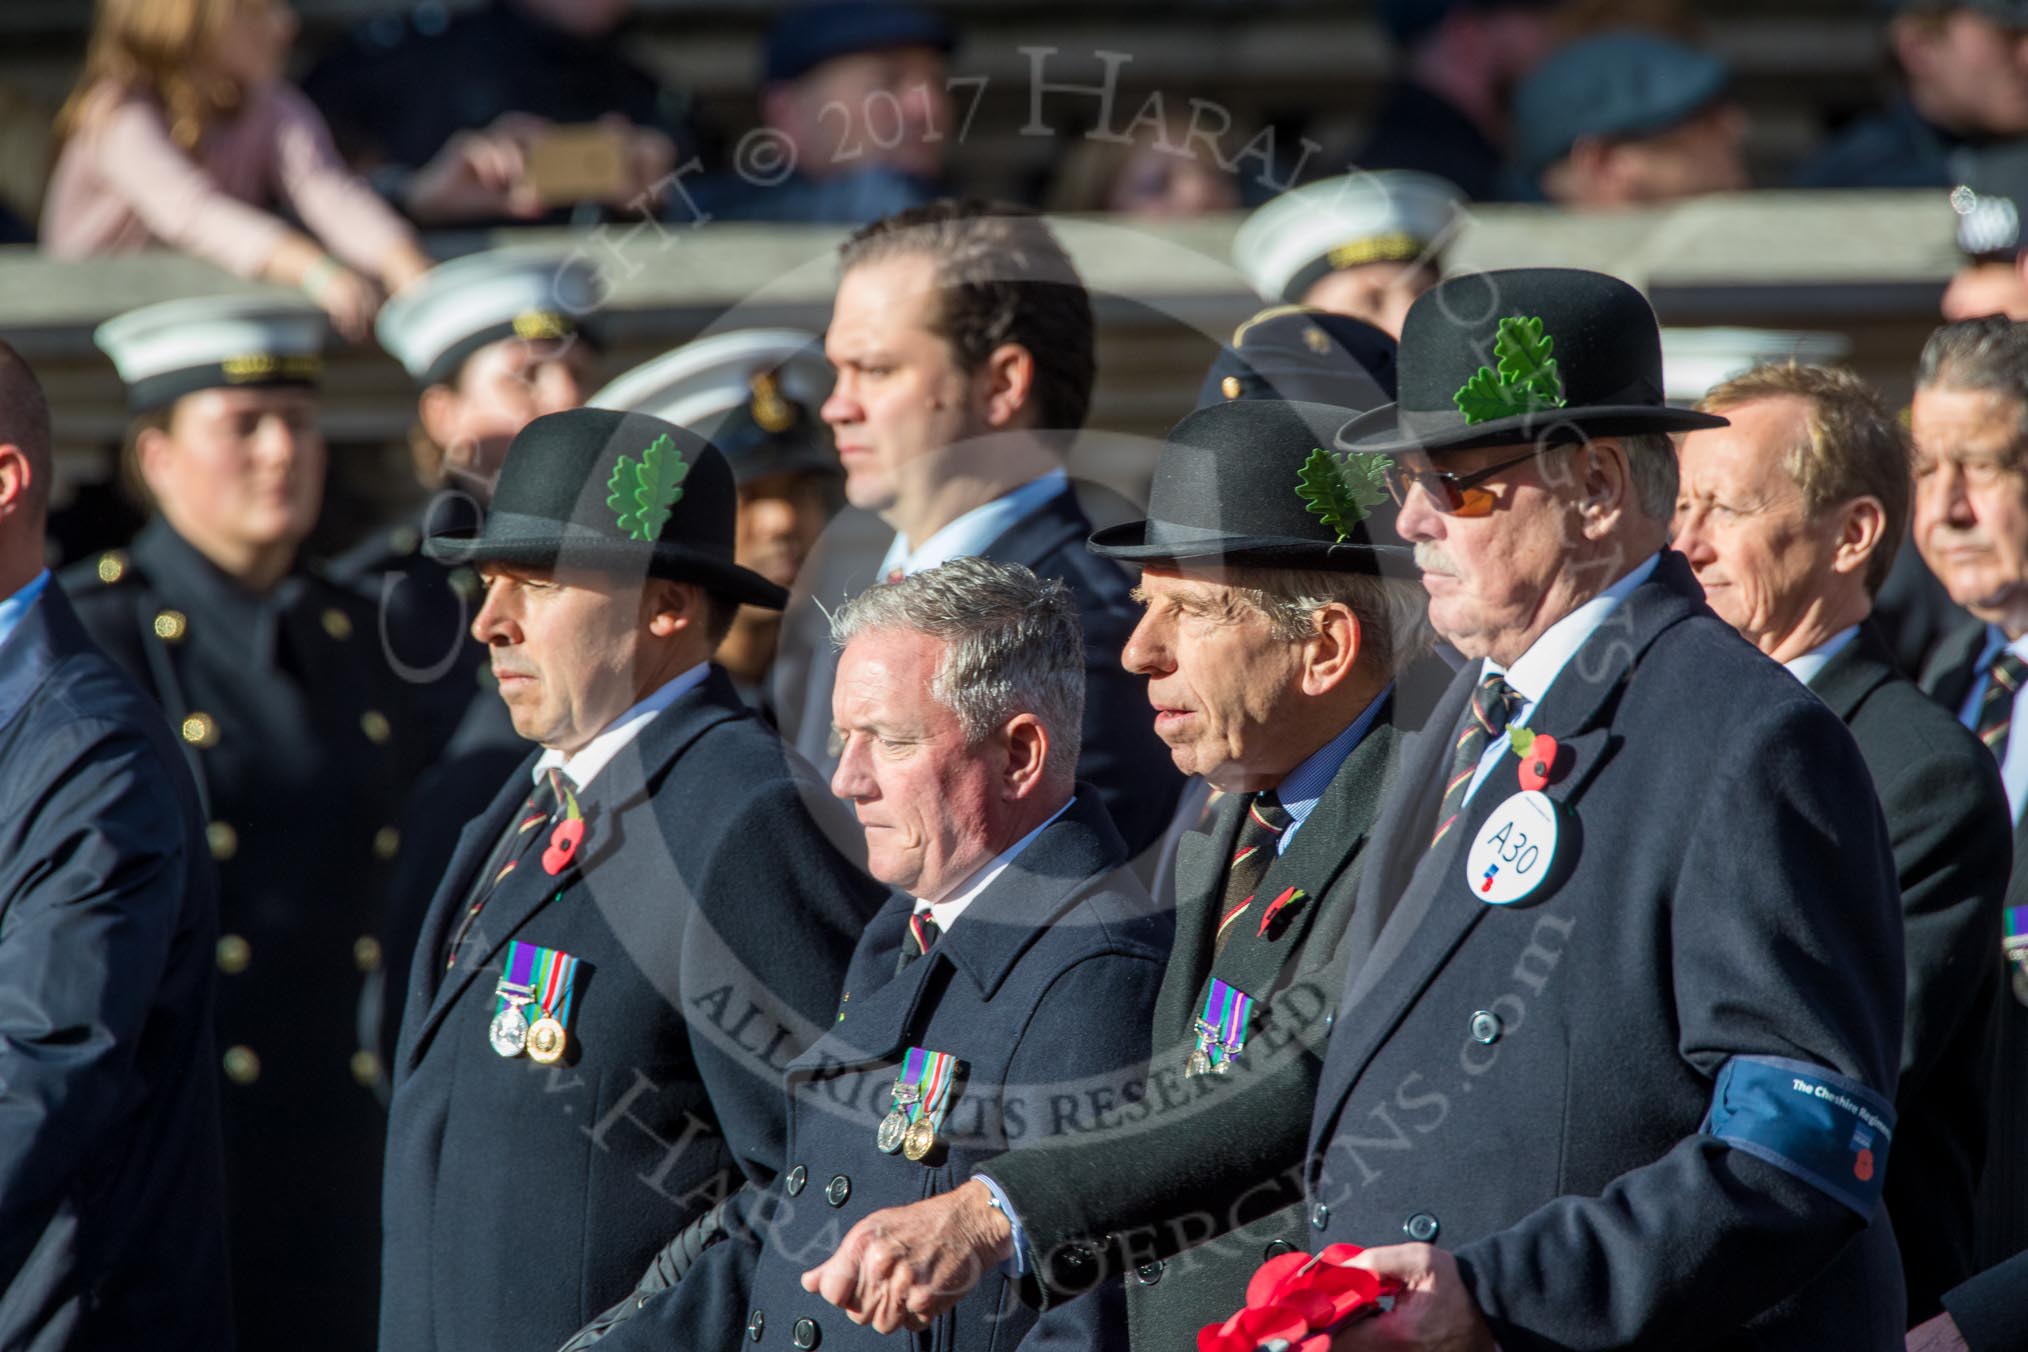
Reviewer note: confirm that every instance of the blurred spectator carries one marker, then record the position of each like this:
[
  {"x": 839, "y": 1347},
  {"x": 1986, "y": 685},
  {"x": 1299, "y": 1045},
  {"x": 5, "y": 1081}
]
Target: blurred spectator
[
  {"x": 1961, "y": 115},
  {"x": 1624, "y": 119},
  {"x": 181, "y": 131},
  {"x": 754, "y": 394},
  {"x": 1458, "y": 64},
  {"x": 1364, "y": 246},
  {"x": 1158, "y": 172},
  {"x": 1582, "y": 18},
  {"x": 463, "y": 117},
  {"x": 857, "y": 117}
]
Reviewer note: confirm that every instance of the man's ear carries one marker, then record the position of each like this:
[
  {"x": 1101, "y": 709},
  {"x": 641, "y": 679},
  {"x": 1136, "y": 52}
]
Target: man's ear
[
  {"x": 1331, "y": 655},
  {"x": 670, "y": 608},
  {"x": 1003, "y": 388},
  {"x": 1862, "y": 524},
  {"x": 16, "y": 478},
  {"x": 1027, "y": 745},
  {"x": 1604, "y": 485}
]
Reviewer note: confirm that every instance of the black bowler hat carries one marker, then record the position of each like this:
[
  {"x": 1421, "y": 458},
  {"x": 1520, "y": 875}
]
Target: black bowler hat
[
  {"x": 595, "y": 488},
  {"x": 1289, "y": 352},
  {"x": 1250, "y": 482},
  {"x": 1548, "y": 355}
]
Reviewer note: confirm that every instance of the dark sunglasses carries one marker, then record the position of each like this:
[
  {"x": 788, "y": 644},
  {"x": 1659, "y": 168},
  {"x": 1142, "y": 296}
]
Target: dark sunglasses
[{"x": 1452, "y": 494}]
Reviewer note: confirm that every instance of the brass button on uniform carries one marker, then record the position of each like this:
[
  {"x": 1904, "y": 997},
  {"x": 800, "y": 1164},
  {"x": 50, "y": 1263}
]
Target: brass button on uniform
[
  {"x": 234, "y": 953},
  {"x": 376, "y": 727},
  {"x": 112, "y": 565},
  {"x": 799, "y": 1178},
  {"x": 241, "y": 1065},
  {"x": 365, "y": 1067},
  {"x": 1230, "y": 387},
  {"x": 404, "y": 539},
  {"x": 386, "y": 843},
  {"x": 838, "y": 1190},
  {"x": 171, "y": 625},
  {"x": 806, "y": 1334},
  {"x": 366, "y": 953},
  {"x": 337, "y": 623},
  {"x": 200, "y": 730},
  {"x": 223, "y": 840}
]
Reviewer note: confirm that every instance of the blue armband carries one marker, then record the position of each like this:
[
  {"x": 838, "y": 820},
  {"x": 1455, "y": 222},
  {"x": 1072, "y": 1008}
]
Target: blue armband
[{"x": 1830, "y": 1131}]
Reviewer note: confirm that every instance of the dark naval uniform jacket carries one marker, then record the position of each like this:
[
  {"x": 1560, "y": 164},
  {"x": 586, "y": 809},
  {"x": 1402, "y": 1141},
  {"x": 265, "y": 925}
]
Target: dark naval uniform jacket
[
  {"x": 2003, "y": 1187},
  {"x": 112, "y": 1208},
  {"x": 1040, "y": 989},
  {"x": 1528, "y": 1085},
  {"x": 1952, "y": 838},
  {"x": 1121, "y": 756},
  {"x": 1213, "y": 1162},
  {"x": 298, "y": 738},
  {"x": 712, "y": 914}
]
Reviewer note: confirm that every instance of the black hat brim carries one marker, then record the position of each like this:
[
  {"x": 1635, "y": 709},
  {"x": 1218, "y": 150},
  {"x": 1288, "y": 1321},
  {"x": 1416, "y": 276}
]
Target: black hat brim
[
  {"x": 1130, "y": 543},
  {"x": 543, "y": 545},
  {"x": 1380, "y": 432}
]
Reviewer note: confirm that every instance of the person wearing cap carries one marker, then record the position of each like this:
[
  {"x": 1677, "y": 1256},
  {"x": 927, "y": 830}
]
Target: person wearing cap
[
  {"x": 1790, "y": 519},
  {"x": 303, "y": 748},
  {"x": 112, "y": 1187},
  {"x": 1018, "y": 958},
  {"x": 1619, "y": 1066},
  {"x": 1365, "y": 245},
  {"x": 1280, "y": 639},
  {"x": 856, "y": 117},
  {"x": 1961, "y": 113},
  {"x": 637, "y": 935},
  {"x": 754, "y": 394},
  {"x": 1457, "y": 64},
  {"x": 1625, "y": 119},
  {"x": 962, "y": 337}
]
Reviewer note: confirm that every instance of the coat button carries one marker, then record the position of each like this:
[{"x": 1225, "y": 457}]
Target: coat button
[
  {"x": 234, "y": 953},
  {"x": 386, "y": 843},
  {"x": 366, "y": 953},
  {"x": 1320, "y": 1216},
  {"x": 755, "y": 1322},
  {"x": 337, "y": 623},
  {"x": 806, "y": 1334},
  {"x": 223, "y": 840},
  {"x": 1486, "y": 1027},
  {"x": 171, "y": 625},
  {"x": 200, "y": 730},
  {"x": 837, "y": 1190},
  {"x": 1330, "y": 1016},
  {"x": 112, "y": 566},
  {"x": 1147, "y": 1274},
  {"x": 241, "y": 1065},
  {"x": 799, "y": 1178},
  {"x": 1421, "y": 1227},
  {"x": 1275, "y": 1249},
  {"x": 376, "y": 727},
  {"x": 365, "y": 1067}
]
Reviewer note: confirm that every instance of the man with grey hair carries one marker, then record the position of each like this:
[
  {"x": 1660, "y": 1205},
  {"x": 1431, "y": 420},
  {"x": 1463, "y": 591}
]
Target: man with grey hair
[
  {"x": 1970, "y": 425},
  {"x": 1271, "y": 638},
  {"x": 1011, "y": 971}
]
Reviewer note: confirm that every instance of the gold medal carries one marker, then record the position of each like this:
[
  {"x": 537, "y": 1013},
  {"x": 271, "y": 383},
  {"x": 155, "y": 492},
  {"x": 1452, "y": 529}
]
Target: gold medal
[
  {"x": 893, "y": 1128},
  {"x": 546, "y": 1040},
  {"x": 919, "y": 1140}
]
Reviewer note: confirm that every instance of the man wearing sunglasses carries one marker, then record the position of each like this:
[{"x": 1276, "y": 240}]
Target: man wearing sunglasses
[{"x": 1619, "y": 1066}]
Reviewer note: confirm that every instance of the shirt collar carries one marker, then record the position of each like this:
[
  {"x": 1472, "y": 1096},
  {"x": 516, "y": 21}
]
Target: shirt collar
[
  {"x": 582, "y": 766},
  {"x": 971, "y": 533},
  {"x": 15, "y": 608},
  {"x": 1996, "y": 643},
  {"x": 947, "y": 911},
  {"x": 1807, "y": 667},
  {"x": 1537, "y": 669},
  {"x": 1303, "y": 788}
]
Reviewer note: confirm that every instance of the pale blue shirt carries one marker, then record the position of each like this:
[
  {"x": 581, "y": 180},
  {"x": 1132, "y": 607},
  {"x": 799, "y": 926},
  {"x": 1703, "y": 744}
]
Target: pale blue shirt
[
  {"x": 1537, "y": 669},
  {"x": 582, "y": 765},
  {"x": 15, "y": 608},
  {"x": 1807, "y": 667},
  {"x": 2014, "y": 768},
  {"x": 1303, "y": 787},
  {"x": 971, "y": 533}
]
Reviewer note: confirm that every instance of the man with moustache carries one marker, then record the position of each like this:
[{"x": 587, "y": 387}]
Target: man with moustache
[
  {"x": 1280, "y": 654},
  {"x": 1970, "y": 424},
  {"x": 1618, "y": 1068},
  {"x": 963, "y": 341},
  {"x": 1790, "y": 517}
]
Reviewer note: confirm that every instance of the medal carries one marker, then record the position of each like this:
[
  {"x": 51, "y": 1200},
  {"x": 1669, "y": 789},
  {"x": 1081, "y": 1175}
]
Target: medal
[
  {"x": 509, "y": 1030},
  {"x": 920, "y": 1139},
  {"x": 1221, "y": 1030},
  {"x": 546, "y": 1040},
  {"x": 893, "y": 1128},
  {"x": 902, "y": 1096},
  {"x": 1198, "y": 1064},
  {"x": 2014, "y": 944}
]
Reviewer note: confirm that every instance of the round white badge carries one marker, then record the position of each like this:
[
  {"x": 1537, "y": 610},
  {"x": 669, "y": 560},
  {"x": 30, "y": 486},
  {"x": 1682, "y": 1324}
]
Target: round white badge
[{"x": 1514, "y": 849}]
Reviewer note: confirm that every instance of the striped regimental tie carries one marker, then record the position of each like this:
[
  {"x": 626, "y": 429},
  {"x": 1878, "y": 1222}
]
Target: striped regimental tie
[
  {"x": 1493, "y": 703},
  {"x": 1996, "y": 706},
  {"x": 920, "y": 939},
  {"x": 1259, "y": 838},
  {"x": 507, "y": 856}
]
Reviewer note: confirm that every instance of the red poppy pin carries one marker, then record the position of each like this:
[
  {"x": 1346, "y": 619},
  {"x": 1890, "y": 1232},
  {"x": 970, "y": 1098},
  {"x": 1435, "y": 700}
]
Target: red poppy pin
[
  {"x": 565, "y": 839},
  {"x": 1281, "y": 907},
  {"x": 1538, "y": 756}
]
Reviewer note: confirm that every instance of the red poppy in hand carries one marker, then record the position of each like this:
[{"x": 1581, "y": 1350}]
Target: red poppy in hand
[{"x": 563, "y": 843}]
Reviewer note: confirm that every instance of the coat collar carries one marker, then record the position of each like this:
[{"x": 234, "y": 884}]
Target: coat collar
[
  {"x": 31, "y": 652},
  {"x": 1865, "y": 664},
  {"x": 252, "y": 620},
  {"x": 1947, "y": 677},
  {"x": 1056, "y": 524}
]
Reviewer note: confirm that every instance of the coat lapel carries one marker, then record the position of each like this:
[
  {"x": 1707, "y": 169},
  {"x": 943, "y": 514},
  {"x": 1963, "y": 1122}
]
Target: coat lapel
[
  {"x": 1948, "y": 677},
  {"x": 1845, "y": 682},
  {"x": 29, "y": 654},
  {"x": 1055, "y": 523}
]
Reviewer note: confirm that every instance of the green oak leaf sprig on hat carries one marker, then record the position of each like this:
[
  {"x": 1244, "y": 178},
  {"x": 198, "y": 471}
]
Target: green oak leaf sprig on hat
[
  {"x": 1525, "y": 380},
  {"x": 644, "y": 490},
  {"x": 1342, "y": 490}
]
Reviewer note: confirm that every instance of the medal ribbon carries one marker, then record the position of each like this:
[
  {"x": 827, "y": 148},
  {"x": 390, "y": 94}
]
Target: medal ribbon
[
  {"x": 936, "y": 1087},
  {"x": 519, "y": 972},
  {"x": 2014, "y": 932},
  {"x": 913, "y": 1066},
  {"x": 555, "y": 981},
  {"x": 1221, "y": 1031}
]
